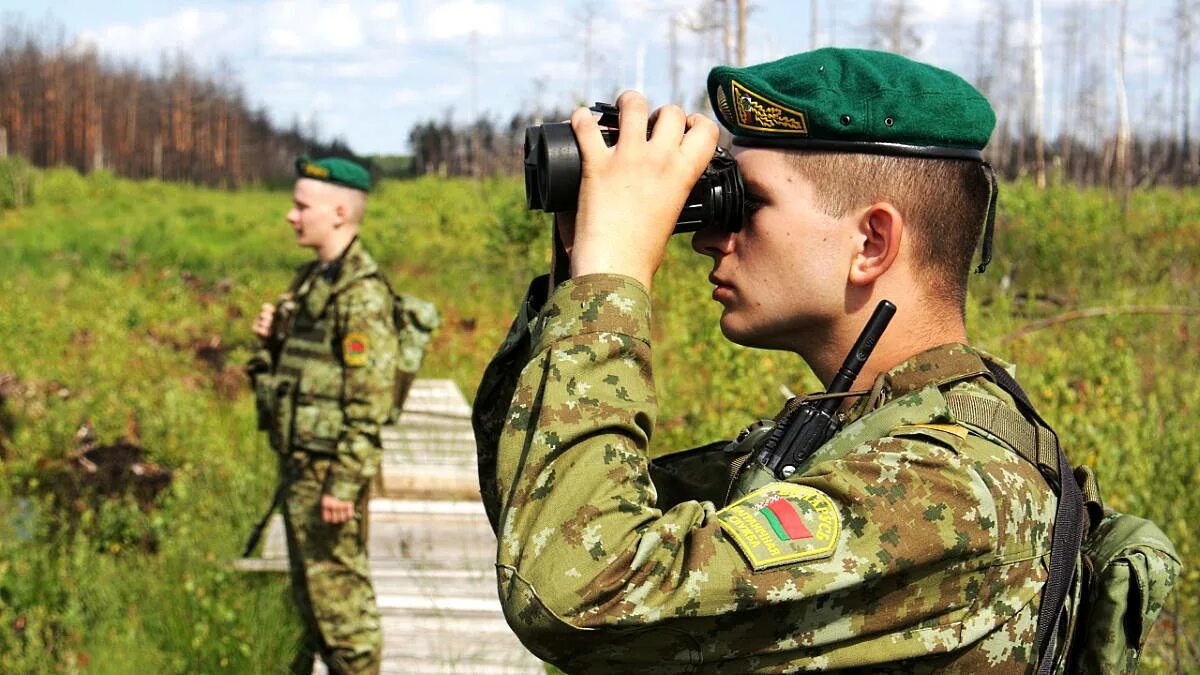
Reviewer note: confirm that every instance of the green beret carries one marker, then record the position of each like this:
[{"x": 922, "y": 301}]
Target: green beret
[
  {"x": 852, "y": 100},
  {"x": 335, "y": 170}
]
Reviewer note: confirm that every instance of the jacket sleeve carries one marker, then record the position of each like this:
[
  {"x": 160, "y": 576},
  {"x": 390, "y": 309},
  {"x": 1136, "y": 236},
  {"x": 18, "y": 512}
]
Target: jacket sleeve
[
  {"x": 594, "y": 572},
  {"x": 369, "y": 356},
  {"x": 495, "y": 393}
]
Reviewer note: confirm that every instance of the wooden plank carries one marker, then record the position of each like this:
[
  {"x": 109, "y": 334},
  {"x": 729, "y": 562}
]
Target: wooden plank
[{"x": 430, "y": 452}]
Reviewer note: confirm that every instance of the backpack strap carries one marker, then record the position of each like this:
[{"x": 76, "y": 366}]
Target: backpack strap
[{"x": 1036, "y": 442}]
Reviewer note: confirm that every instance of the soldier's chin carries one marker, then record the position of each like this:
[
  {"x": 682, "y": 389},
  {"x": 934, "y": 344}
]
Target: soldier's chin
[
  {"x": 747, "y": 334},
  {"x": 736, "y": 331}
]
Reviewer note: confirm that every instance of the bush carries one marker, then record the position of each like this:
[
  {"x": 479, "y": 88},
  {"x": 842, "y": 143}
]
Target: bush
[{"x": 16, "y": 182}]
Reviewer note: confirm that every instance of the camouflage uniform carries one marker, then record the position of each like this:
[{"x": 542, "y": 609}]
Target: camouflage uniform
[
  {"x": 921, "y": 545},
  {"x": 332, "y": 388}
]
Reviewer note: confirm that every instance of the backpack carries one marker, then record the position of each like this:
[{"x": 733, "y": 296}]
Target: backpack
[
  {"x": 1128, "y": 569},
  {"x": 1119, "y": 568},
  {"x": 415, "y": 320}
]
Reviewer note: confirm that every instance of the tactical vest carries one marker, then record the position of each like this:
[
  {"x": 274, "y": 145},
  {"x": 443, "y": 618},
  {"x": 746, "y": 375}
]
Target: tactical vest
[{"x": 309, "y": 363}]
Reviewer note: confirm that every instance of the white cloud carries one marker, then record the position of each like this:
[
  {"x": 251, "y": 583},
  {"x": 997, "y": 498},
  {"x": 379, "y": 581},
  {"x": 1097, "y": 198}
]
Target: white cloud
[
  {"x": 386, "y": 11},
  {"x": 387, "y": 24},
  {"x": 292, "y": 28},
  {"x": 188, "y": 29},
  {"x": 460, "y": 18},
  {"x": 430, "y": 99}
]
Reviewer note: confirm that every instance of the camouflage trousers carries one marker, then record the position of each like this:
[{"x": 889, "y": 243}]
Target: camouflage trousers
[{"x": 331, "y": 583}]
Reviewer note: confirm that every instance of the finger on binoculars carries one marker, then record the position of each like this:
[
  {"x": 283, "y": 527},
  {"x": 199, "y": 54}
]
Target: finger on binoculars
[
  {"x": 587, "y": 133},
  {"x": 699, "y": 141},
  {"x": 633, "y": 114},
  {"x": 668, "y": 124}
]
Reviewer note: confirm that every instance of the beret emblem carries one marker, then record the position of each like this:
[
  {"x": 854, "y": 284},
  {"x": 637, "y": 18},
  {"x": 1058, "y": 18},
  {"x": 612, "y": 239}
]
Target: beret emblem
[
  {"x": 723, "y": 106},
  {"x": 315, "y": 171},
  {"x": 760, "y": 113}
]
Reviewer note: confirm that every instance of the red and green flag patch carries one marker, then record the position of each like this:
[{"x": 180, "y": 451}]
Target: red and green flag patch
[
  {"x": 782, "y": 518},
  {"x": 354, "y": 349},
  {"x": 782, "y": 523}
]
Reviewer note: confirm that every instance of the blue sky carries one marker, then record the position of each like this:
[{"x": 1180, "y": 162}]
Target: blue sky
[{"x": 366, "y": 71}]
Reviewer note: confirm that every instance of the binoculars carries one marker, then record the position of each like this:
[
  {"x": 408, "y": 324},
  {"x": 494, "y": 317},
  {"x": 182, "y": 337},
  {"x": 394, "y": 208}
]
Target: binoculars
[{"x": 553, "y": 167}]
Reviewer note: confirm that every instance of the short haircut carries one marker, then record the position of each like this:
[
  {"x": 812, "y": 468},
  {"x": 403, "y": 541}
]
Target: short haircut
[
  {"x": 356, "y": 202},
  {"x": 944, "y": 201}
]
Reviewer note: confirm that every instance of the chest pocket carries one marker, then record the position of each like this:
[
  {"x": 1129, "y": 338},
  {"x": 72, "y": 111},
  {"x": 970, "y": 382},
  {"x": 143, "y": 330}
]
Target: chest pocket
[{"x": 317, "y": 418}]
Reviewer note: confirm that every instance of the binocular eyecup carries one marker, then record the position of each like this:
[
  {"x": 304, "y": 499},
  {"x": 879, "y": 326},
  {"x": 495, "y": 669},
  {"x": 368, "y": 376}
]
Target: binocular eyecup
[{"x": 553, "y": 168}]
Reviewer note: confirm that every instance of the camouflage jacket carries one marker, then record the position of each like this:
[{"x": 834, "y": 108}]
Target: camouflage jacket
[
  {"x": 335, "y": 347},
  {"x": 905, "y": 544}
]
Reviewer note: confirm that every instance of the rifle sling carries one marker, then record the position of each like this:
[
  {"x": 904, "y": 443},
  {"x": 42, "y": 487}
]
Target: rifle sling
[{"x": 256, "y": 533}]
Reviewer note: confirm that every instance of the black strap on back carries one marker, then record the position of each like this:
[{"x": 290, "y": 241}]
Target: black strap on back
[{"x": 1069, "y": 525}]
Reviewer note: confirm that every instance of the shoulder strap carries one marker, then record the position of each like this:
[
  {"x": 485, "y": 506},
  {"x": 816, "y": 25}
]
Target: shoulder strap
[{"x": 1037, "y": 443}]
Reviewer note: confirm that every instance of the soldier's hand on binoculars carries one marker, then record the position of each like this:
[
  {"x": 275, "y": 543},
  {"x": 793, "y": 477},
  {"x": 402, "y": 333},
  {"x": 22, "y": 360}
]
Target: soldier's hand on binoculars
[
  {"x": 630, "y": 195},
  {"x": 262, "y": 322}
]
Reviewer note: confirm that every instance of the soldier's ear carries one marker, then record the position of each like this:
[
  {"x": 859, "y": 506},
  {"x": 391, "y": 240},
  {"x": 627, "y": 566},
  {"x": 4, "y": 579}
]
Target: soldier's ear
[
  {"x": 342, "y": 212},
  {"x": 880, "y": 227}
]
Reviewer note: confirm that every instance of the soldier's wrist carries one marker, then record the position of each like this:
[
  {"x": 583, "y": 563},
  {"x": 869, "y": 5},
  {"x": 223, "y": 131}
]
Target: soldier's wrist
[{"x": 342, "y": 488}]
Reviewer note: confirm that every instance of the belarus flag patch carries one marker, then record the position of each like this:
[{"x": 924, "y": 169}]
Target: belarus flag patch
[
  {"x": 782, "y": 523},
  {"x": 355, "y": 348}
]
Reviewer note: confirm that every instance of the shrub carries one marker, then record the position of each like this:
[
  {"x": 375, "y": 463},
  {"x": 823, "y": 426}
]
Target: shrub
[{"x": 16, "y": 182}]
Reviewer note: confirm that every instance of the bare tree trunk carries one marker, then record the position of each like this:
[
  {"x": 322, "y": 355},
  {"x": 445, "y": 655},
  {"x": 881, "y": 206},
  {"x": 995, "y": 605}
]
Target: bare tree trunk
[
  {"x": 1070, "y": 62},
  {"x": 741, "y": 32},
  {"x": 98, "y": 140},
  {"x": 3, "y": 142},
  {"x": 997, "y": 87},
  {"x": 589, "y": 22},
  {"x": 673, "y": 41},
  {"x": 726, "y": 32},
  {"x": 1038, "y": 104},
  {"x": 1181, "y": 89},
  {"x": 476, "y": 168},
  {"x": 812, "y": 24},
  {"x": 1121, "y": 159},
  {"x": 158, "y": 156}
]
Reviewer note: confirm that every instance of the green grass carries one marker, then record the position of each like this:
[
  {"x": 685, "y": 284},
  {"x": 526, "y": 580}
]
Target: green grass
[{"x": 108, "y": 287}]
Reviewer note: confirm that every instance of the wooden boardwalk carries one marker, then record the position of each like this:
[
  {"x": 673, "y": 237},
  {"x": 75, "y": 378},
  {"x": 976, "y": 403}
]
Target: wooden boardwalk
[{"x": 431, "y": 549}]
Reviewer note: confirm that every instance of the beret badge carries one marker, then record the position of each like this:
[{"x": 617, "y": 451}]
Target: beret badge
[
  {"x": 723, "y": 106},
  {"x": 314, "y": 171},
  {"x": 760, "y": 113}
]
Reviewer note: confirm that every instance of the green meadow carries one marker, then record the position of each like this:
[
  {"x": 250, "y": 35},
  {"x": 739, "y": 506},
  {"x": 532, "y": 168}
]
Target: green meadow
[{"x": 127, "y": 305}]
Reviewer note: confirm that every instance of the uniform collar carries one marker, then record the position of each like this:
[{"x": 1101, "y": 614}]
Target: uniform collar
[
  {"x": 936, "y": 367},
  {"x": 325, "y": 281},
  {"x": 354, "y": 264}
]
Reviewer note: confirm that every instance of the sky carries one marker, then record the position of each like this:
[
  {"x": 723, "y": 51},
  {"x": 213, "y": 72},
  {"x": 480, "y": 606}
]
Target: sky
[{"x": 367, "y": 71}]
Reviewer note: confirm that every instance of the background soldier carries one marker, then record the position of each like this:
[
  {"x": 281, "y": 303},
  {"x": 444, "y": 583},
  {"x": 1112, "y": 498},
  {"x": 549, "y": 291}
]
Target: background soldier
[
  {"x": 325, "y": 384},
  {"x": 911, "y": 541}
]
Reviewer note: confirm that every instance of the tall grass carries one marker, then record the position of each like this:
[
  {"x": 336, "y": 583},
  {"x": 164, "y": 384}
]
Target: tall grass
[{"x": 109, "y": 290}]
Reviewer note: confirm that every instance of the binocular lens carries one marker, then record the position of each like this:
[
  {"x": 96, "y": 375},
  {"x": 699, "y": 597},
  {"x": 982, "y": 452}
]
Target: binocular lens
[
  {"x": 559, "y": 167},
  {"x": 553, "y": 169}
]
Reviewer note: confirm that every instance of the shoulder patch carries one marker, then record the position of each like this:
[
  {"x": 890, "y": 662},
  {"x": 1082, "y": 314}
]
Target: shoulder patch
[
  {"x": 951, "y": 436},
  {"x": 782, "y": 523},
  {"x": 355, "y": 348},
  {"x": 952, "y": 429}
]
